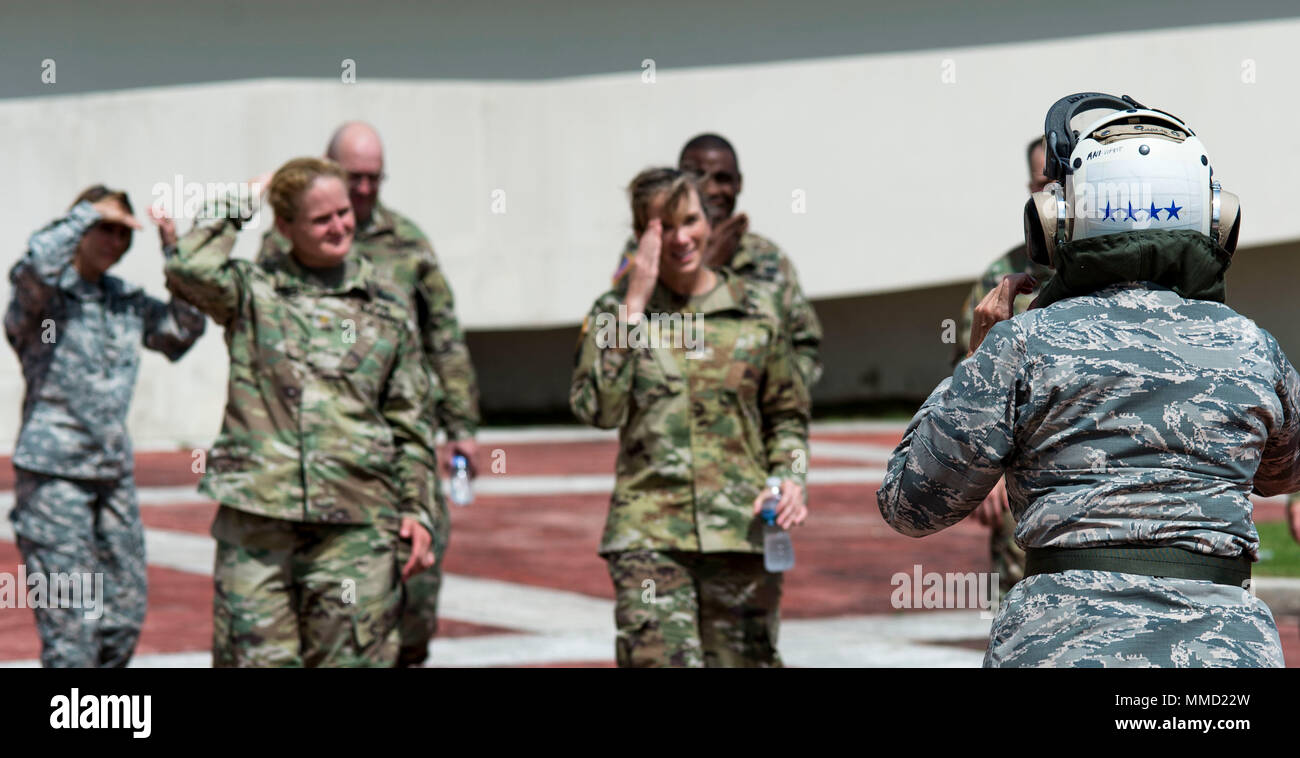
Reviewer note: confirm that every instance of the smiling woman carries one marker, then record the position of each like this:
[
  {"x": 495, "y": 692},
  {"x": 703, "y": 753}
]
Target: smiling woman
[
  {"x": 702, "y": 424},
  {"x": 325, "y": 466},
  {"x": 313, "y": 212}
]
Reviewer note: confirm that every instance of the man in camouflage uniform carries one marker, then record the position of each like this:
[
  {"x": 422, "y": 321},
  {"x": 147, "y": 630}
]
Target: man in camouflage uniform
[
  {"x": 325, "y": 465},
  {"x": 1177, "y": 409},
  {"x": 402, "y": 255},
  {"x": 1008, "y": 558},
  {"x": 702, "y": 424},
  {"x": 733, "y": 247},
  {"x": 77, "y": 332}
]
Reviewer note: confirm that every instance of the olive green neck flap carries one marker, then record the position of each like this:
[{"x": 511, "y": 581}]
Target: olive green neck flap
[{"x": 1185, "y": 261}]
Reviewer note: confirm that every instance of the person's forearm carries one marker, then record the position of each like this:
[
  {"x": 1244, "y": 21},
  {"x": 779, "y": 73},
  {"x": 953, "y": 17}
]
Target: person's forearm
[
  {"x": 35, "y": 277},
  {"x": 457, "y": 411},
  {"x": 173, "y": 327},
  {"x": 602, "y": 379},
  {"x": 200, "y": 272}
]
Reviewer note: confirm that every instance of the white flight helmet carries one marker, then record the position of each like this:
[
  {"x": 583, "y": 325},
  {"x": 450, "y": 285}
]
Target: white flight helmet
[{"x": 1128, "y": 168}]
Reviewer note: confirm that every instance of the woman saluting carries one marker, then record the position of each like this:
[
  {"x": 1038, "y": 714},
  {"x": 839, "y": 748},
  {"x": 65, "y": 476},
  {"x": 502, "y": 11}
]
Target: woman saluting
[
  {"x": 325, "y": 463},
  {"x": 708, "y": 406}
]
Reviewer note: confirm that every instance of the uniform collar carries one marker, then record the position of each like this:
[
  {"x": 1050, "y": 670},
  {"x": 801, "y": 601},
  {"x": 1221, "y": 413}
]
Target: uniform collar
[
  {"x": 744, "y": 255},
  {"x": 381, "y": 222},
  {"x": 108, "y": 286},
  {"x": 356, "y": 274},
  {"x": 727, "y": 295},
  {"x": 1183, "y": 260}
]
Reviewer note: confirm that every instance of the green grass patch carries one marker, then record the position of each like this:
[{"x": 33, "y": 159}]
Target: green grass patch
[{"x": 1279, "y": 554}]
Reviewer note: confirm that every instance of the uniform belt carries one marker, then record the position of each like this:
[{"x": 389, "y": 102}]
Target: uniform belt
[{"x": 1150, "y": 560}]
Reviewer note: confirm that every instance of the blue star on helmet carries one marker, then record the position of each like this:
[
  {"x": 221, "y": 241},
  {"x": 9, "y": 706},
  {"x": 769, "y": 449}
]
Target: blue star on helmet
[
  {"x": 1129, "y": 214},
  {"x": 1172, "y": 210},
  {"x": 1153, "y": 212},
  {"x": 1107, "y": 216}
]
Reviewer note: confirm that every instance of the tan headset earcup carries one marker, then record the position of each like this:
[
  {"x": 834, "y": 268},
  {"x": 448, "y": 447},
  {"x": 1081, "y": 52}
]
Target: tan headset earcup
[
  {"x": 1040, "y": 227},
  {"x": 1229, "y": 220}
]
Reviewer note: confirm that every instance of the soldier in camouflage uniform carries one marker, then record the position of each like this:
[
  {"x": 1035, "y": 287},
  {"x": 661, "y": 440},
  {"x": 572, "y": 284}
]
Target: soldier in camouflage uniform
[
  {"x": 402, "y": 255},
  {"x": 1135, "y": 416},
  {"x": 706, "y": 413},
  {"x": 78, "y": 332},
  {"x": 325, "y": 466},
  {"x": 1008, "y": 559},
  {"x": 733, "y": 247}
]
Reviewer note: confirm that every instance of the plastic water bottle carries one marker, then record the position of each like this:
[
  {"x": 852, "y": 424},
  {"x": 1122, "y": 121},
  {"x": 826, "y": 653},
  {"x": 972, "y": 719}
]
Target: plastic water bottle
[
  {"x": 778, "y": 550},
  {"x": 461, "y": 492}
]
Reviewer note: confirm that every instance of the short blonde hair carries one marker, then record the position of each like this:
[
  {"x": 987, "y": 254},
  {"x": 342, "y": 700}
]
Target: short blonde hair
[
  {"x": 294, "y": 178},
  {"x": 653, "y": 183}
]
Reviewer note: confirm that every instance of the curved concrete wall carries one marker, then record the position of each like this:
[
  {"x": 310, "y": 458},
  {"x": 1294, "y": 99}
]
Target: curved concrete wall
[{"x": 897, "y": 170}]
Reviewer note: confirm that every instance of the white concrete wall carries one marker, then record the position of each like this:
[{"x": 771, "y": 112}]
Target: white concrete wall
[{"x": 911, "y": 180}]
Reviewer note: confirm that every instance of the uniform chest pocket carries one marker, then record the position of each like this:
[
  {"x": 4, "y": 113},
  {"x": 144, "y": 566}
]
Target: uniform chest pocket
[
  {"x": 744, "y": 375},
  {"x": 658, "y": 376},
  {"x": 342, "y": 344},
  {"x": 116, "y": 329}
]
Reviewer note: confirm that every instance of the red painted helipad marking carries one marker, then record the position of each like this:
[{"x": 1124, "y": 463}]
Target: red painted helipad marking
[
  {"x": 846, "y": 553},
  {"x": 883, "y": 439},
  {"x": 194, "y": 518}
]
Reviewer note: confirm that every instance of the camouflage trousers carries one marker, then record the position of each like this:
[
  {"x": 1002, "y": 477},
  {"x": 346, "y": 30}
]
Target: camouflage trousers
[
  {"x": 1008, "y": 557},
  {"x": 290, "y": 593},
  {"x": 73, "y": 528},
  {"x": 419, "y": 621},
  {"x": 694, "y": 609},
  {"x": 1083, "y": 618}
]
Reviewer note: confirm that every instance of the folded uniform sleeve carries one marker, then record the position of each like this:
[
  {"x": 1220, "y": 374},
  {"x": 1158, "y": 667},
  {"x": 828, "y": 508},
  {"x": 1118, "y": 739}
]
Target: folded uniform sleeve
[
  {"x": 407, "y": 408},
  {"x": 600, "y": 391},
  {"x": 804, "y": 327},
  {"x": 201, "y": 271},
  {"x": 448, "y": 353},
  {"x": 952, "y": 453},
  {"x": 35, "y": 277},
  {"x": 173, "y": 327},
  {"x": 1279, "y": 463},
  {"x": 786, "y": 409}
]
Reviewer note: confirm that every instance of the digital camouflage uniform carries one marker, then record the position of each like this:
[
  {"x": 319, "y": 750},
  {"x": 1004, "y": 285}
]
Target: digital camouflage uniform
[
  {"x": 759, "y": 259},
  {"x": 1128, "y": 416},
  {"x": 327, "y": 442},
  {"x": 1008, "y": 558},
  {"x": 75, "y": 501},
  {"x": 700, "y": 430},
  {"x": 401, "y": 254}
]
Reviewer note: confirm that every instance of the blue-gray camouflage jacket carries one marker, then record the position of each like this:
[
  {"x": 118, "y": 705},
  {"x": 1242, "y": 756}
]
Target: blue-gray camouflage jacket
[
  {"x": 1128, "y": 416},
  {"x": 78, "y": 343}
]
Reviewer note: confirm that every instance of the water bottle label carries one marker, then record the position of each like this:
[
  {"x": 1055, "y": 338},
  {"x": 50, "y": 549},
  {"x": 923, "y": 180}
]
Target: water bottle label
[{"x": 778, "y": 550}]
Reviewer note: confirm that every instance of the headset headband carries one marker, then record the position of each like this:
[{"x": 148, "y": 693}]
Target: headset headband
[{"x": 1061, "y": 139}]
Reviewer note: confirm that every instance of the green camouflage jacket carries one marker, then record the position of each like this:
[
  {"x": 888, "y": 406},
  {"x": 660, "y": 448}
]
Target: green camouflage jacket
[
  {"x": 402, "y": 254},
  {"x": 703, "y": 418},
  {"x": 327, "y": 415},
  {"x": 759, "y": 259}
]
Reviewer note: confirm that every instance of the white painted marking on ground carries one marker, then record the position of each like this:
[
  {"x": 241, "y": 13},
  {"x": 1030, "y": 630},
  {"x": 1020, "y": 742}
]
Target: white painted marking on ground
[
  {"x": 586, "y": 484},
  {"x": 850, "y": 451},
  {"x": 858, "y": 427},
  {"x": 183, "y": 551},
  {"x": 552, "y": 433},
  {"x": 853, "y": 641}
]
